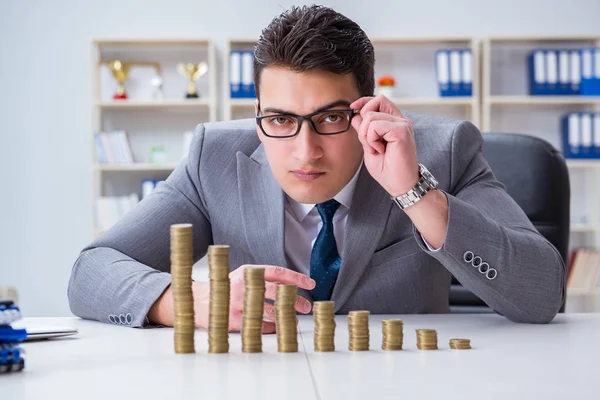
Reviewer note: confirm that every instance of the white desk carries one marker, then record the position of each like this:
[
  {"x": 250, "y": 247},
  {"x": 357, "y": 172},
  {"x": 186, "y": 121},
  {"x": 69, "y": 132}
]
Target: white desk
[{"x": 508, "y": 361}]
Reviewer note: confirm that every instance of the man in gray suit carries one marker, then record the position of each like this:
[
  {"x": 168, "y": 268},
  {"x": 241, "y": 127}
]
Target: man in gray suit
[{"x": 330, "y": 189}]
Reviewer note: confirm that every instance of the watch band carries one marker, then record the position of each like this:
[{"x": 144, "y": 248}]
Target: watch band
[{"x": 425, "y": 183}]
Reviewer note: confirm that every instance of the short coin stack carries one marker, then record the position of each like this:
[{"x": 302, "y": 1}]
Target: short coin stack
[
  {"x": 181, "y": 287},
  {"x": 427, "y": 339},
  {"x": 358, "y": 328},
  {"x": 324, "y": 325},
  {"x": 285, "y": 319},
  {"x": 254, "y": 304},
  {"x": 392, "y": 334},
  {"x": 218, "y": 319},
  {"x": 460, "y": 344}
]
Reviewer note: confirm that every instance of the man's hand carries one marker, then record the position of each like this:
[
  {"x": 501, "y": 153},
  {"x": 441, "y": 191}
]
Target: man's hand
[
  {"x": 388, "y": 141},
  {"x": 273, "y": 276},
  {"x": 162, "y": 310}
]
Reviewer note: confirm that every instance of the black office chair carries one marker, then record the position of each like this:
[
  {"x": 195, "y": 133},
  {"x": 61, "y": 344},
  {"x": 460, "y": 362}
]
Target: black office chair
[{"x": 536, "y": 177}]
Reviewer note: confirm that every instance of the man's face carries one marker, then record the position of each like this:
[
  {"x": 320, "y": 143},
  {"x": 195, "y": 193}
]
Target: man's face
[{"x": 309, "y": 167}]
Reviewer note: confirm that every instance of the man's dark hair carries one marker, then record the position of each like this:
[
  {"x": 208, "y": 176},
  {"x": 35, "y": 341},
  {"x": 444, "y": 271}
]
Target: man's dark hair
[{"x": 316, "y": 37}]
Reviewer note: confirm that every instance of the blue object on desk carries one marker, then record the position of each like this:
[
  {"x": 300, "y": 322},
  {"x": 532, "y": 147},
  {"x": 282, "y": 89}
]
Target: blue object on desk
[{"x": 10, "y": 352}]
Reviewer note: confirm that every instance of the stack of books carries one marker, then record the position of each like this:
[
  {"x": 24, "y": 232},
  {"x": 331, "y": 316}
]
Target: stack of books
[
  {"x": 560, "y": 72},
  {"x": 581, "y": 135},
  {"x": 455, "y": 72},
  {"x": 113, "y": 148}
]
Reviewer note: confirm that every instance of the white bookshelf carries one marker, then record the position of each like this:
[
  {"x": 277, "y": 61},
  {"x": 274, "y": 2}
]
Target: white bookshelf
[
  {"x": 411, "y": 61},
  {"x": 148, "y": 121},
  {"x": 506, "y": 106}
]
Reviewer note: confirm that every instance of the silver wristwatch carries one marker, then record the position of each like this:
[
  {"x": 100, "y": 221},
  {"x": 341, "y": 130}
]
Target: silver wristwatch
[{"x": 425, "y": 184}]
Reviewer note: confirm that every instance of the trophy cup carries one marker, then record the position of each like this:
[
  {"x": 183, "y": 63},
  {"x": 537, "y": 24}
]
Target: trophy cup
[
  {"x": 120, "y": 70},
  {"x": 193, "y": 72},
  {"x": 157, "y": 84}
]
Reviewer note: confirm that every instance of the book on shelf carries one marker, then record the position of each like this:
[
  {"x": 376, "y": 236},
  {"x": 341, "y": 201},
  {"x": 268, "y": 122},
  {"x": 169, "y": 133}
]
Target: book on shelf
[
  {"x": 241, "y": 74},
  {"x": 454, "y": 70},
  {"x": 110, "y": 209},
  {"x": 564, "y": 72},
  {"x": 583, "y": 283},
  {"x": 580, "y": 133},
  {"x": 113, "y": 148}
]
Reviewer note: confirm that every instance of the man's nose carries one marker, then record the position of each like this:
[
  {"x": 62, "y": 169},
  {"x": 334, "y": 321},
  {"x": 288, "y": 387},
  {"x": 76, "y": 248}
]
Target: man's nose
[{"x": 307, "y": 144}]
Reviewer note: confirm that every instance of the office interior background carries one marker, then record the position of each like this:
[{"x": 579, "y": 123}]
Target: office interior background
[{"x": 55, "y": 95}]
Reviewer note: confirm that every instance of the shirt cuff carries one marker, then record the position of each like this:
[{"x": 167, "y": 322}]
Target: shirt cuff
[{"x": 428, "y": 245}]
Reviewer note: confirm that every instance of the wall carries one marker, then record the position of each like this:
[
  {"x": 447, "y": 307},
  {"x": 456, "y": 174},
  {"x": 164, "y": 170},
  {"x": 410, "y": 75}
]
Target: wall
[{"x": 45, "y": 104}]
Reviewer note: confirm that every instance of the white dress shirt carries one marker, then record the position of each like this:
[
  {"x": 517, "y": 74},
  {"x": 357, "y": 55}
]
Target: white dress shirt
[{"x": 303, "y": 223}]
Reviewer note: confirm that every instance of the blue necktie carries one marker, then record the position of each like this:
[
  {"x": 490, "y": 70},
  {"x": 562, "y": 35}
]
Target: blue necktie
[{"x": 324, "y": 259}]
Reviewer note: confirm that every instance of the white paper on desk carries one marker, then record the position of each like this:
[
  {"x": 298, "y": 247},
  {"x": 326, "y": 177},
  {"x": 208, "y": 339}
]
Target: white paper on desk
[{"x": 38, "y": 332}]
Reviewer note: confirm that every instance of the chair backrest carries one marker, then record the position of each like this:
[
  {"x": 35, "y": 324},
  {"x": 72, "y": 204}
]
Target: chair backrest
[{"x": 535, "y": 175}]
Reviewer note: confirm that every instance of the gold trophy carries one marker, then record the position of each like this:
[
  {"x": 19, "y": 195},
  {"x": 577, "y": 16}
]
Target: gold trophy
[
  {"x": 193, "y": 72},
  {"x": 120, "y": 70}
]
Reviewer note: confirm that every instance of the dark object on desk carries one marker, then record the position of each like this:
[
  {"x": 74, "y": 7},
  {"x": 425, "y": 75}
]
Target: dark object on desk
[{"x": 536, "y": 177}]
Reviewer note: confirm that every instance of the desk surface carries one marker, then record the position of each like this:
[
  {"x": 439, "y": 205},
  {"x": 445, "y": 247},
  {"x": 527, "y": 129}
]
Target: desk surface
[{"x": 508, "y": 361}]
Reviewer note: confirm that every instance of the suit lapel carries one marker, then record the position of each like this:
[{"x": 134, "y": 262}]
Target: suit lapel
[
  {"x": 261, "y": 200},
  {"x": 371, "y": 206}
]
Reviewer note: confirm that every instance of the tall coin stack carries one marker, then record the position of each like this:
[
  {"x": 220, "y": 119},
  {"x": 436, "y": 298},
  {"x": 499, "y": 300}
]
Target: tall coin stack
[
  {"x": 324, "y": 325},
  {"x": 218, "y": 317},
  {"x": 460, "y": 344},
  {"x": 254, "y": 304},
  {"x": 181, "y": 287},
  {"x": 358, "y": 327},
  {"x": 392, "y": 334},
  {"x": 427, "y": 339},
  {"x": 285, "y": 319}
]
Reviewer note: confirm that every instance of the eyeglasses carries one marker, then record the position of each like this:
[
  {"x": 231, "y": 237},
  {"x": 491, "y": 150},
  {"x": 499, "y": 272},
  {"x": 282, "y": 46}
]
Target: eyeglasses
[{"x": 326, "y": 122}]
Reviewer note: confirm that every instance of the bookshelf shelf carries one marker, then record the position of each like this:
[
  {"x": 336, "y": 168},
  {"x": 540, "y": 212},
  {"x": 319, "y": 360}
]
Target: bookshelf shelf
[
  {"x": 434, "y": 101},
  {"x": 241, "y": 103},
  {"x": 583, "y": 164},
  {"x": 136, "y": 167},
  {"x": 583, "y": 228},
  {"x": 542, "y": 100},
  {"x": 141, "y": 104}
]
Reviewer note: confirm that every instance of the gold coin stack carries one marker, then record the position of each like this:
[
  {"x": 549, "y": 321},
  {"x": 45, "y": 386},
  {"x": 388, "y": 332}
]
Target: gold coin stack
[
  {"x": 285, "y": 319},
  {"x": 460, "y": 344},
  {"x": 324, "y": 325},
  {"x": 358, "y": 327},
  {"x": 254, "y": 304},
  {"x": 392, "y": 334},
  {"x": 427, "y": 339},
  {"x": 181, "y": 287},
  {"x": 218, "y": 317}
]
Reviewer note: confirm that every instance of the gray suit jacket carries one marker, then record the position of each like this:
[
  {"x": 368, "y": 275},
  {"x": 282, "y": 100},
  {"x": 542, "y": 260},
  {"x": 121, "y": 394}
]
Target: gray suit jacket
[{"x": 226, "y": 189}]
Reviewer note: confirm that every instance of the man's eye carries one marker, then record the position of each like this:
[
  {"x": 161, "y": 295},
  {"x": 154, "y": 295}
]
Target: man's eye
[
  {"x": 279, "y": 120},
  {"x": 332, "y": 118}
]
